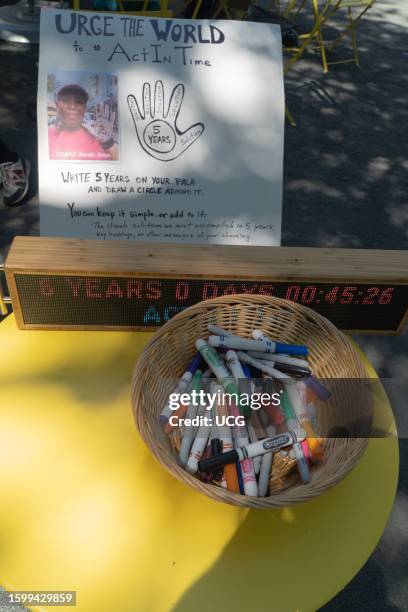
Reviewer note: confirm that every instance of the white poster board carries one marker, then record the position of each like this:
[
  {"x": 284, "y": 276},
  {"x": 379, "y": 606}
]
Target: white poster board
[{"x": 159, "y": 129}]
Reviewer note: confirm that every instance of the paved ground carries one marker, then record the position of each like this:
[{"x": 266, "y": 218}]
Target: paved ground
[{"x": 345, "y": 184}]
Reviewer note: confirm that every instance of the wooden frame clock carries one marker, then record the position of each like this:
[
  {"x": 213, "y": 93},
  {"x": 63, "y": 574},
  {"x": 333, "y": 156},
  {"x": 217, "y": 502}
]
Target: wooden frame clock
[{"x": 58, "y": 283}]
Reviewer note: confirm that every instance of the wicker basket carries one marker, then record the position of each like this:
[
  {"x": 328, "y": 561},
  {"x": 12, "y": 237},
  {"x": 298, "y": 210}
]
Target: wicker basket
[{"x": 331, "y": 355}]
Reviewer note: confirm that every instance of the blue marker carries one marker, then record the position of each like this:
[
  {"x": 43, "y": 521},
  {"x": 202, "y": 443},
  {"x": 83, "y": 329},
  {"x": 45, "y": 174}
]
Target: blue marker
[
  {"x": 262, "y": 346},
  {"x": 240, "y": 479},
  {"x": 247, "y": 370},
  {"x": 317, "y": 388}
]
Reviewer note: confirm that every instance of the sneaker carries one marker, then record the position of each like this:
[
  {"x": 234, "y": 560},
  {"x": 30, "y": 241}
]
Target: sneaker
[{"x": 15, "y": 177}]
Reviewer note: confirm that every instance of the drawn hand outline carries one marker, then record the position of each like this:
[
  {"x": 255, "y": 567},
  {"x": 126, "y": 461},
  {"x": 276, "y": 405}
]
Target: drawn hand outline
[{"x": 156, "y": 129}]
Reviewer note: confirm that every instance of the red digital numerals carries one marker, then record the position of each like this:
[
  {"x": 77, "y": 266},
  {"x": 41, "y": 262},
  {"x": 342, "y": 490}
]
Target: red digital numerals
[{"x": 353, "y": 294}]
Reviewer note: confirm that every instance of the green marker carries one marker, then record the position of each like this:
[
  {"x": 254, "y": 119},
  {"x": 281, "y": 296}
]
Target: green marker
[
  {"x": 210, "y": 356},
  {"x": 287, "y": 410}
]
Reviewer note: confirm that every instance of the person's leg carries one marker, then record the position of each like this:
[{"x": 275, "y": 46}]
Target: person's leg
[
  {"x": 6, "y": 155},
  {"x": 14, "y": 174}
]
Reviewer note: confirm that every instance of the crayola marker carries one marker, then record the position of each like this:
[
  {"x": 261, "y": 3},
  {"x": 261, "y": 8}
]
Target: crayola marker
[{"x": 252, "y": 450}]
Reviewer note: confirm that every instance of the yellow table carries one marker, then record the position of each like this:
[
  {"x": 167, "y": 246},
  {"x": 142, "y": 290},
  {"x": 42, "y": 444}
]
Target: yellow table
[{"x": 85, "y": 507}]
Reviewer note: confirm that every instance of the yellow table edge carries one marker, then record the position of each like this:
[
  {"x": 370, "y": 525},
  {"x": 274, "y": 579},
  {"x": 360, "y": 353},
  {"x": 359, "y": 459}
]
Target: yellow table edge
[{"x": 235, "y": 534}]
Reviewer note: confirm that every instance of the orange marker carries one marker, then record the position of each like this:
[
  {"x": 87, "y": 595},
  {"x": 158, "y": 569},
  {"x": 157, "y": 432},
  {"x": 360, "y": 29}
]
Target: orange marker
[
  {"x": 178, "y": 414},
  {"x": 231, "y": 476},
  {"x": 230, "y": 471}
]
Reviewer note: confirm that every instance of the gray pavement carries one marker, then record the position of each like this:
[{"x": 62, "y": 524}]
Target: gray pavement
[{"x": 345, "y": 184}]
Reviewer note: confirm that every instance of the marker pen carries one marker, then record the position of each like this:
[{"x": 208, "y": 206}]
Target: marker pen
[
  {"x": 215, "y": 444},
  {"x": 292, "y": 370},
  {"x": 234, "y": 365},
  {"x": 254, "y": 438},
  {"x": 247, "y": 467},
  {"x": 214, "y": 435},
  {"x": 277, "y": 358},
  {"x": 263, "y": 346},
  {"x": 259, "y": 334},
  {"x": 188, "y": 439},
  {"x": 306, "y": 451},
  {"x": 298, "y": 452},
  {"x": 190, "y": 431},
  {"x": 275, "y": 416},
  {"x": 231, "y": 477},
  {"x": 240, "y": 479},
  {"x": 244, "y": 385},
  {"x": 304, "y": 370},
  {"x": 287, "y": 368},
  {"x": 230, "y": 471},
  {"x": 207, "y": 374},
  {"x": 308, "y": 396},
  {"x": 216, "y": 449},
  {"x": 268, "y": 359},
  {"x": 262, "y": 366},
  {"x": 318, "y": 389},
  {"x": 264, "y": 419},
  {"x": 223, "y": 376},
  {"x": 312, "y": 414},
  {"x": 252, "y": 450},
  {"x": 294, "y": 395},
  {"x": 181, "y": 386},
  {"x": 219, "y": 331},
  {"x": 205, "y": 476},
  {"x": 258, "y": 426},
  {"x": 197, "y": 449},
  {"x": 178, "y": 414},
  {"x": 182, "y": 411},
  {"x": 266, "y": 465},
  {"x": 248, "y": 373}
]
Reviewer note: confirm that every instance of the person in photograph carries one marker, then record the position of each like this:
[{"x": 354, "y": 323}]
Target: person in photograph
[{"x": 69, "y": 139}]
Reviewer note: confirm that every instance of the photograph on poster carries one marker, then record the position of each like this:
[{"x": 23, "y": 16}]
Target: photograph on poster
[{"x": 82, "y": 114}]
